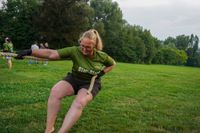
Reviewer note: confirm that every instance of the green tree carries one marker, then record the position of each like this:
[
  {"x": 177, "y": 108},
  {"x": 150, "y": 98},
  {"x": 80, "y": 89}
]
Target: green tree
[
  {"x": 16, "y": 22},
  {"x": 192, "y": 51},
  {"x": 109, "y": 16},
  {"x": 61, "y": 22},
  {"x": 158, "y": 58},
  {"x": 170, "y": 56},
  {"x": 193, "y": 44},
  {"x": 182, "y": 42},
  {"x": 140, "y": 49},
  {"x": 194, "y": 61},
  {"x": 181, "y": 57},
  {"x": 149, "y": 46},
  {"x": 169, "y": 40}
]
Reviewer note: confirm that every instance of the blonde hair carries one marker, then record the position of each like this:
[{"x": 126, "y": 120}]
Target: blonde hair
[{"x": 94, "y": 36}]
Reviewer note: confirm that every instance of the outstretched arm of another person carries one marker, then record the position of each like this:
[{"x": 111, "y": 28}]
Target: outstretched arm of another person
[{"x": 41, "y": 53}]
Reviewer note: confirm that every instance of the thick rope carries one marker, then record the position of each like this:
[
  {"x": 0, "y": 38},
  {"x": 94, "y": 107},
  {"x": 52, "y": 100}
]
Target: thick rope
[
  {"x": 91, "y": 84},
  {"x": 15, "y": 55}
]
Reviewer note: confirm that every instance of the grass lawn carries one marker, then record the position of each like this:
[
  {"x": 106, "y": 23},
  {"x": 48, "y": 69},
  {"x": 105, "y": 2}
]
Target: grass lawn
[{"x": 134, "y": 99}]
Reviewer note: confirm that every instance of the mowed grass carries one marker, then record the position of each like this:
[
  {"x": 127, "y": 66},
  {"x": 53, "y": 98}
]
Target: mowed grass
[{"x": 134, "y": 99}]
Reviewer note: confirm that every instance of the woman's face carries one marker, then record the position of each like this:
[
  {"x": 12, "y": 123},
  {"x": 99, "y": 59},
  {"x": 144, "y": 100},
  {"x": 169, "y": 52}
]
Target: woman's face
[{"x": 87, "y": 46}]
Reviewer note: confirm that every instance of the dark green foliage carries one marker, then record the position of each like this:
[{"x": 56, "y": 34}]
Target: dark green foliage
[
  {"x": 108, "y": 20},
  {"x": 122, "y": 41},
  {"x": 170, "y": 56},
  {"x": 182, "y": 42},
  {"x": 149, "y": 45},
  {"x": 192, "y": 52},
  {"x": 194, "y": 60},
  {"x": 16, "y": 22},
  {"x": 169, "y": 40},
  {"x": 60, "y": 23},
  {"x": 187, "y": 43}
]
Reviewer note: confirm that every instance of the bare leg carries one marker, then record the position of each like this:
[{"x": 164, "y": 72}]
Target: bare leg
[
  {"x": 9, "y": 64},
  {"x": 60, "y": 90},
  {"x": 75, "y": 111}
]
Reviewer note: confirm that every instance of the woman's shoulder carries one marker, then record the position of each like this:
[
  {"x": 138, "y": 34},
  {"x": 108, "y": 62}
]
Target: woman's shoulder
[
  {"x": 71, "y": 48},
  {"x": 102, "y": 53},
  {"x": 75, "y": 48}
]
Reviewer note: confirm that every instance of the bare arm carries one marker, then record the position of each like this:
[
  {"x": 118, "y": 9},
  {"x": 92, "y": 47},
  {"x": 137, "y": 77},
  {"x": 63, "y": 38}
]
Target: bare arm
[
  {"x": 107, "y": 69},
  {"x": 46, "y": 53}
]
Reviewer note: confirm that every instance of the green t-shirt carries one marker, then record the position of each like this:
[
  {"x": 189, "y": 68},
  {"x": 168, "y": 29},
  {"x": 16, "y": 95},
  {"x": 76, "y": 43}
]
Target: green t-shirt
[
  {"x": 8, "y": 47},
  {"x": 84, "y": 67}
]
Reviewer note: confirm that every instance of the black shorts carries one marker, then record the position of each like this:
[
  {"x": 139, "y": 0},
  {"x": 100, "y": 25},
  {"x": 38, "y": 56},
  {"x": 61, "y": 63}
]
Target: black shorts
[{"x": 78, "y": 84}]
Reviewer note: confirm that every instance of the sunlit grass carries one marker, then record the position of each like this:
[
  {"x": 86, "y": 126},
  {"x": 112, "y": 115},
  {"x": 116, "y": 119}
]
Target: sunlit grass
[{"x": 134, "y": 98}]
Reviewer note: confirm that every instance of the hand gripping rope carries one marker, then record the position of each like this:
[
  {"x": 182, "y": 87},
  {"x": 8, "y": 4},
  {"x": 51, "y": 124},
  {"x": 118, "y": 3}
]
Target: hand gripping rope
[{"x": 91, "y": 84}]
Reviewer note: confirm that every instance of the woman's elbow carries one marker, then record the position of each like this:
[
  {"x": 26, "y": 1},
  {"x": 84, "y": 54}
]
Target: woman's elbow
[
  {"x": 54, "y": 55},
  {"x": 114, "y": 64}
]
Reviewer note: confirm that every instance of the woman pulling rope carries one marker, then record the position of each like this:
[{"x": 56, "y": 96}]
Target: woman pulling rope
[{"x": 88, "y": 60}]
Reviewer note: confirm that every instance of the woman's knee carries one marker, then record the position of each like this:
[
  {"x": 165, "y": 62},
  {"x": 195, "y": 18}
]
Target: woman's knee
[
  {"x": 55, "y": 93},
  {"x": 78, "y": 104},
  {"x": 81, "y": 102},
  {"x": 61, "y": 89}
]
